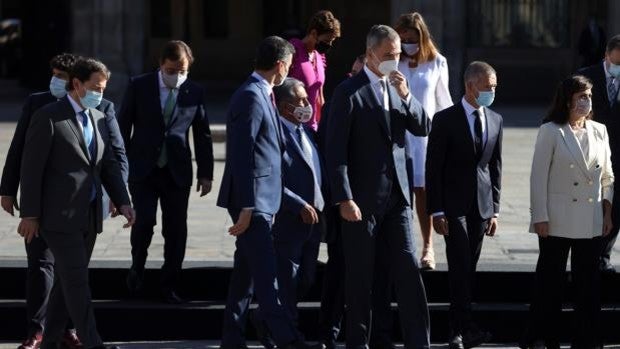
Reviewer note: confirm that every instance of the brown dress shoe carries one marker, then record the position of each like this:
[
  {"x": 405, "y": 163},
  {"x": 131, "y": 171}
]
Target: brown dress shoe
[
  {"x": 32, "y": 342},
  {"x": 71, "y": 341}
]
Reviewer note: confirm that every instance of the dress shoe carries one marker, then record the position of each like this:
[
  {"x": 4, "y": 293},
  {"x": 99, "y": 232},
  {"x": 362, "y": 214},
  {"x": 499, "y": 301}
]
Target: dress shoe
[
  {"x": 32, "y": 342},
  {"x": 172, "y": 297},
  {"x": 326, "y": 345},
  {"x": 135, "y": 281},
  {"x": 262, "y": 332},
  {"x": 71, "y": 341},
  {"x": 475, "y": 337},
  {"x": 607, "y": 268},
  {"x": 300, "y": 345},
  {"x": 456, "y": 342}
]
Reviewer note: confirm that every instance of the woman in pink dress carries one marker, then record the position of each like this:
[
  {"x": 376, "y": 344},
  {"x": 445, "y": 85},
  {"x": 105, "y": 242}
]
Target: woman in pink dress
[{"x": 309, "y": 59}]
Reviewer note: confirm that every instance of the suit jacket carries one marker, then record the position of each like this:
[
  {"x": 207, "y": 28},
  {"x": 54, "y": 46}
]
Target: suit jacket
[
  {"x": 459, "y": 183},
  {"x": 11, "y": 172},
  {"x": 566, "y": 190},
  {"x": 603, "y": 113},
  {"x": 141, "y": 113},
  {"x": 57, "y": 172},
  {"x": 254, "y": 147},
  {"x": 298, "y": 181},
  {"x": 367, "y": 156}
]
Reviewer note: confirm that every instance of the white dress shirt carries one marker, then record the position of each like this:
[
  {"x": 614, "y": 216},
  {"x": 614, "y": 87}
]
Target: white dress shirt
[
  {"x": 471, "y": 119},
  {"x": 164, "y": 91},
  {"x": 78, "y": 112}
]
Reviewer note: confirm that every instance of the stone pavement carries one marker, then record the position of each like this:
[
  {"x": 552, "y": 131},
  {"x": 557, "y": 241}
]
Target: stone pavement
[{"x": 512, "y": 249}]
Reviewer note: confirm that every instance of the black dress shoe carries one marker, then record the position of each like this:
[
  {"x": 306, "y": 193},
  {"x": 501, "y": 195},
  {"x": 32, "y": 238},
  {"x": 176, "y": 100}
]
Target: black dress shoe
[
  {"x": 326, "y": 345},
  {"x": 475, "y": 337},
  {"x": 135, "y": 281},
  {"x": 172, "y": 297},
  {"x": 607, "y": 268},
  {"x": 262, "y": 332},
  {"x": 456, "y": 342}
]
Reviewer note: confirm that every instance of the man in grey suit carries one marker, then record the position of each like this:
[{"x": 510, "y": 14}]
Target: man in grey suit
[{"x": 67, "y": 158}]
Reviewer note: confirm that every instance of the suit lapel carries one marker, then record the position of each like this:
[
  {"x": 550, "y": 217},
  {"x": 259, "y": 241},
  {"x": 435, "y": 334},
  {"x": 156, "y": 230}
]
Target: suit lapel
[
  {"x": 75, "y": 127},
  {"x": 592, "y": 153},
  {"x": 492, "y": 126},
  {"x": 95, "y": 117},
  {"x": 573, "y": 147},
  {"x": 463, "y": 119},
  {"x": 155, "y": 96},
  {"x": 274, "y": 115},
  {"x": 368, "y": 93},
  {"x": 292, "y": 137}
]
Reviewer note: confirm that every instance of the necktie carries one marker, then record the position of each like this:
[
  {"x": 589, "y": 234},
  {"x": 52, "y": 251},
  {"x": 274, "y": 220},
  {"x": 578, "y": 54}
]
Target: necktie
[
  {"x": 88, "y": 132},
  {"x": 612, "y": 89},
  {"x": 478, "y": 133},
  {"x": 319, "y": 202},
  {"x": 168, "y": 109},
  {"x": 385, "y": 102}
]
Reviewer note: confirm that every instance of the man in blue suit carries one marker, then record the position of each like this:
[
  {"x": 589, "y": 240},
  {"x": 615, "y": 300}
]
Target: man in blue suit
[
  {"x": 160, "y": 108},
  {"x": 300, "y": 223},
  {"x": 366, "y": 163},
  {"x": 40, "y": 275},
  {"x": 252, "y": 192}
]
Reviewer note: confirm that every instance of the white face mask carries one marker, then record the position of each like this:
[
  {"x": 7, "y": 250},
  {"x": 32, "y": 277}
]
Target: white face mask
[
  {"x": 303, "y": 114},
  {"x": 411, "y": 49},
  {"x": 173, "y": 80},
  {"x": 386, "y": 67},
  {"x": 583, "y": 107}
]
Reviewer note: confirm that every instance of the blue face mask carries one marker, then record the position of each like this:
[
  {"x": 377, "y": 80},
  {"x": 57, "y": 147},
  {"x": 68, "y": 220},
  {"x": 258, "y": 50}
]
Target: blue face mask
[
  {"x": 57, "y": 87},
  {"x": 91, "y": 99},
  {"x": 614, "y": 70},
  {"x": 485, "y": 98}
]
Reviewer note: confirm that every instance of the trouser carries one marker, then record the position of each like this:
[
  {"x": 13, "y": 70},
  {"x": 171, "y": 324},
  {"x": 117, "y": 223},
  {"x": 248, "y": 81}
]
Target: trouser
[
  {"x": 39, "y": 281},
  {"x": 160, "y": 186},
  {"x": 332, "y": 296}
]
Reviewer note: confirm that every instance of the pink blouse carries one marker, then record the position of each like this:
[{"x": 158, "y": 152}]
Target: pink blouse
[{"x": 312, "y": 74}]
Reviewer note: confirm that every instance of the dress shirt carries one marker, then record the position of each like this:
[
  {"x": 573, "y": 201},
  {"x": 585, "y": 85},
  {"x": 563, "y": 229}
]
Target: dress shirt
[
  {"x": 164, "y": 91},
  {"x": 264, "y": 84},
  {"x": 608, "y": 80},
  {"x": 78, "y": 112},
  {"x": 471, "y": 118},
  {"x": 307, "y": 144},
  {"x": 375, "y": 81}
]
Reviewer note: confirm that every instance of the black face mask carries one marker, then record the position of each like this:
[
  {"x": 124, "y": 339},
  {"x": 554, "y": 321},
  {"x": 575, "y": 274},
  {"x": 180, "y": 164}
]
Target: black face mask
[{"x": 322, "y": 47}]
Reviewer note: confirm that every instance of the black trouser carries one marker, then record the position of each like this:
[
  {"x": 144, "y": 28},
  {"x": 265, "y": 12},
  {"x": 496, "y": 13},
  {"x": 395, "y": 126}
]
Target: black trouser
[
  {"x": 332, "y": 296},
  {"x": 160, "y": 186},
  {"x": 360, "y": 240},
  {"x": 70, "y": 297},
  {"x": 608, "y": 242},
  {"x": 463, "y": 246},
  {"x": 39, "y": 281},
  {"x": 550, "y": 280}
]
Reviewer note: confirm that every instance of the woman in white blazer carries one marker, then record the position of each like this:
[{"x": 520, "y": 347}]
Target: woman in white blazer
[
  {"x": 571, "y": 189},
  {"x": 426, "y": 71}
]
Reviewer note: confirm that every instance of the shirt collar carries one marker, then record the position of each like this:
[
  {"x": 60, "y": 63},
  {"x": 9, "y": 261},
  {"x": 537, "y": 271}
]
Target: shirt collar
[
  {"x": 75, "y": 105},
  {"x": 160, "y": 78},
  {"x": 607, "y": 75},
  {"x": 263, "y": 82},
  {"x": 291, "y": 126},
  {"x": 374, "y": 78},
  {"x": 469, "y": 109}
]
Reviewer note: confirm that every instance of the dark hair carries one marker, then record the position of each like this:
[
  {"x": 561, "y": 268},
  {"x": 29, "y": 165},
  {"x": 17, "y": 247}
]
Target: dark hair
[
  {"x": 63, "y": 62},
  {"x": 324, "y": 22},
  {"x": 83, "y": 68},
  {"x": 286, "y": 91},
  {"x": 174, "y": 50},
  {"x": 613, "y": 43},
  {"x": 559, "y": 112},
  {"x": 271, "y": 50}
]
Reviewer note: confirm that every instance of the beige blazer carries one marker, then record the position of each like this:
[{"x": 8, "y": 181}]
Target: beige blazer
[{"x": 565, "y": 190}]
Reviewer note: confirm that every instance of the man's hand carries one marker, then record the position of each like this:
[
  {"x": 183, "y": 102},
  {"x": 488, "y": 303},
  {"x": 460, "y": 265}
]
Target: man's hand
[
  {"x": 129, "y": 214},
  {"x": 8, "y": 203},
  {"x": 491, "y": 227},
  {"x": 440, "y": 223},
  {"x": 349, "y": 211},
  {"x": 309, "y": 215},
  {"x": 542, "y": 229},
  {"x": 607, "y": 224},
  {"x": 398, "y": 80},
  {"x": 243, "y": 222},
  {"x": 113, "y": 211},
  {"x": 204, "y": 186},
  {"x": 28, "y": 228}
]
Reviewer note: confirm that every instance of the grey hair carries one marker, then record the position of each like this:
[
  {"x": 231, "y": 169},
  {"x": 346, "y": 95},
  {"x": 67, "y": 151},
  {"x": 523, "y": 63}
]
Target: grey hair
[
  {"x": 477, "y": 69},
  {"x": 286, "y": 91},
  {"x": 378, "y": 33}
]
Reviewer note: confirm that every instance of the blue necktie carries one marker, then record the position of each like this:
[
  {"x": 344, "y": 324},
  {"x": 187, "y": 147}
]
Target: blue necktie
[
  {"x": 87, "y": 129},
  {"x": 612, "y": 91}
]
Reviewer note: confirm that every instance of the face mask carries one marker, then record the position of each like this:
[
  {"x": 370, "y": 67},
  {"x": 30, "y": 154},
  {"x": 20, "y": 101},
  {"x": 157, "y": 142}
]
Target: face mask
[
  {"x": 583, "y": 107},
  {"x": 173, "y": 80},
  {"x": 411, "y": 49},
  {"x": 303, "y": 114},
  {"x": 614, "y": 70},
  {"x": 322, "y": 47},
  {"x": 57, "y": 87},
  {"x": 485, "y": 98},
  {"x": 386, "y": 67},
  {"x": 91, "y": 99}
]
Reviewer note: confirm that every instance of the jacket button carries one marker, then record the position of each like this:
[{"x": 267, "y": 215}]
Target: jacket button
[
  {"x": 590, "y": 200},
  {"x": 575, "y": 184},
  {"x": 590, "y": 182},
  {"x": 574, "y": 200},
  {"x": 572, "y": 166}
]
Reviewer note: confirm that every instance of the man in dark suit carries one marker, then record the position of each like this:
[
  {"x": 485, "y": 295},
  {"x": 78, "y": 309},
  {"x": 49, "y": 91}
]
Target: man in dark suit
[
  {"x": 252, "y": 192},
  {"x": 67, "y": 158},
  {"x": 300, "y": 223},
  {"x": 368, "y": 117},
  {"x": 40, "y": 260},
  {"x": 605, "y": 77},
  {"x": 463, "y": 177},
  {"x": 160, "y": 108}
]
